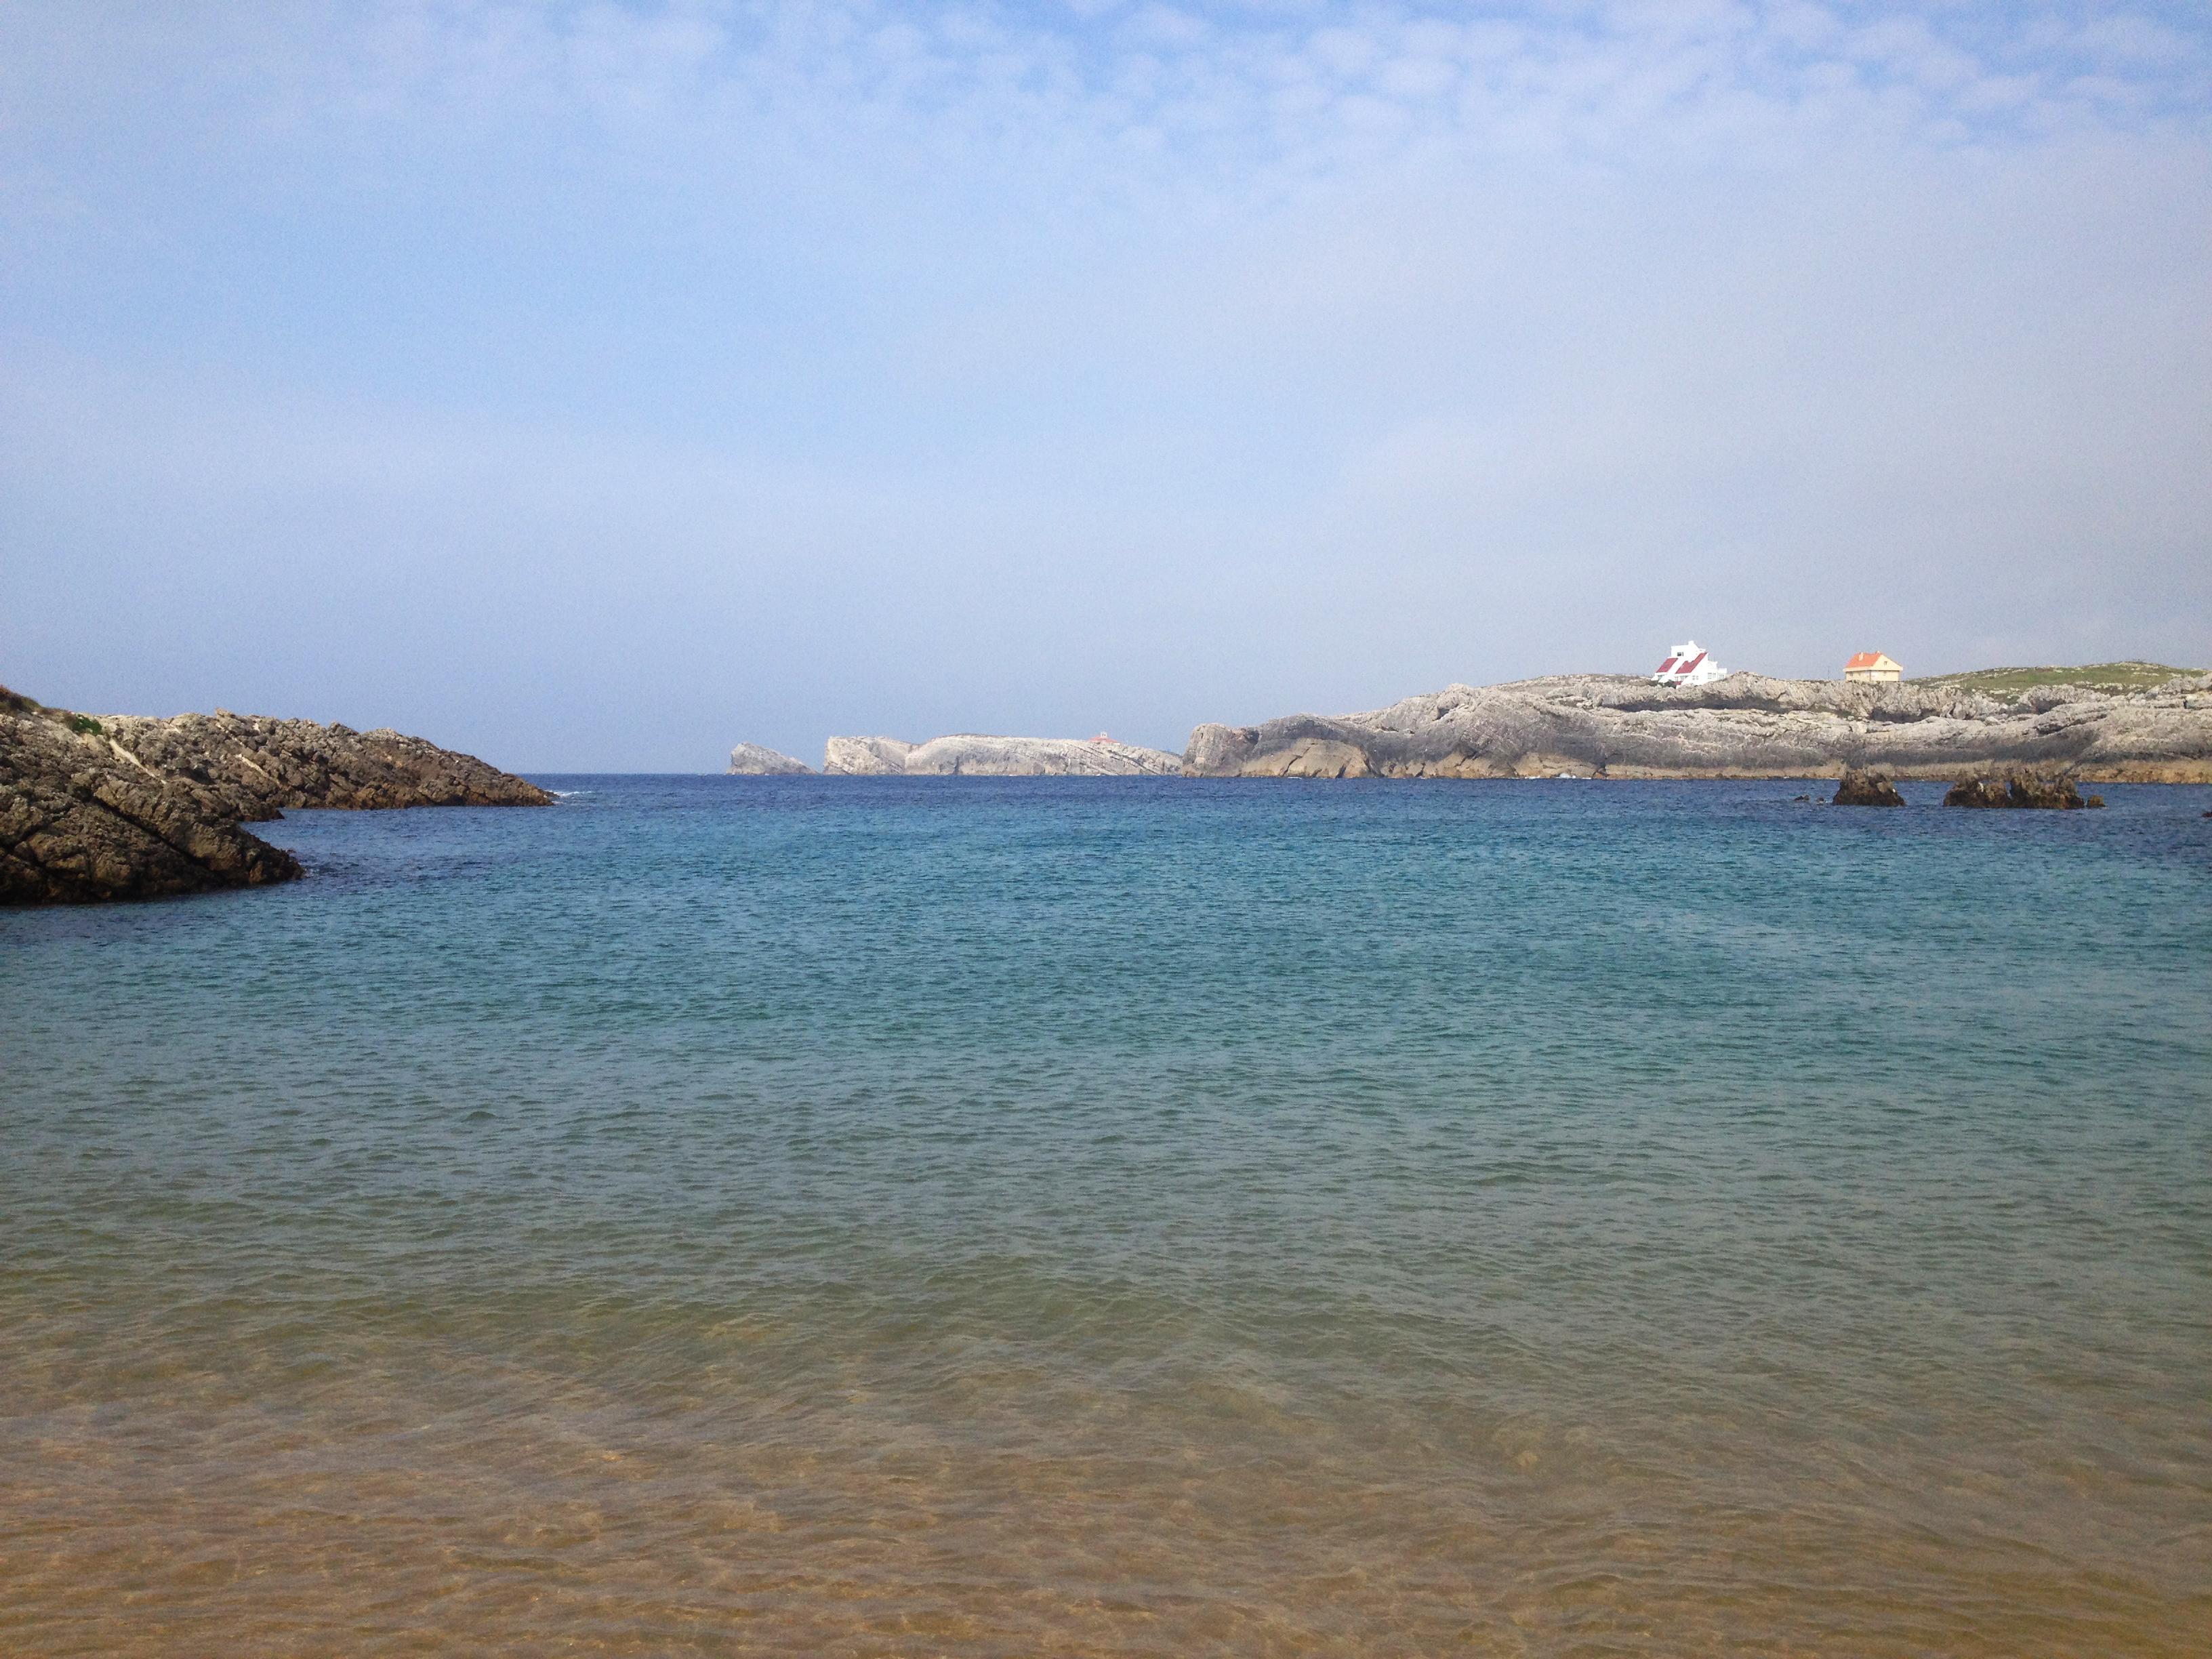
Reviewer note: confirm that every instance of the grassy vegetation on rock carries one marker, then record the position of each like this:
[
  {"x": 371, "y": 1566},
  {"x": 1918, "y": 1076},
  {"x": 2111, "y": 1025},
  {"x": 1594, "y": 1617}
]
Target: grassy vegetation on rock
[{"x": 2007, "y": 684}]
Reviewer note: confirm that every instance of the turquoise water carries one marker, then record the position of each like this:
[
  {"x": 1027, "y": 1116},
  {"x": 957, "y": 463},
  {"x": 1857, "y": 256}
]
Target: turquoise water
[{"x": 1005, "y": 1217}]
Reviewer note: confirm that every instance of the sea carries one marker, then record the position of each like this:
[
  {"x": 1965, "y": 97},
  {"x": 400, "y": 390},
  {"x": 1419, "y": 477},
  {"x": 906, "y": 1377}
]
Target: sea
[{"x": 1122, "y": 1216}]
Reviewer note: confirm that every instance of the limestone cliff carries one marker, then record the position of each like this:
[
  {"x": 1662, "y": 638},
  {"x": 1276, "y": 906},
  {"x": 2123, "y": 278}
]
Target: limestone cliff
[
  {"x": 753, "y": 760},
  {"x": 865, "y": 758},
  {"x": 127, "y": 807},
  {"x": 973, "y": 755},
  {"x": 1744, "y": 726}
]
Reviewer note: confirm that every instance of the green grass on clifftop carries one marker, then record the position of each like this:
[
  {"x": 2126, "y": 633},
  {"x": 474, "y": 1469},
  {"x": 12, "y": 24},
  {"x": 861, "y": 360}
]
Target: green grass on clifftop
[{"x": 2009, "y": 682}]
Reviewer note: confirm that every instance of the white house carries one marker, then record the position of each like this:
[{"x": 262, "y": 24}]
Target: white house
[
  {"x": 1689, "y": 665},
  {"x": 1872, "y": 667}
]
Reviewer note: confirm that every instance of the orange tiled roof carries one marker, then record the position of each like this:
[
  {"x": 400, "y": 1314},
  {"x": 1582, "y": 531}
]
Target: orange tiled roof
[{"x": 1864, "y": 659}]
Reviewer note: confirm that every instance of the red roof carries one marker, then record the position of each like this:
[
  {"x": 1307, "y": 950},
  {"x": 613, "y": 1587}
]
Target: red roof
[{"x": 1864, "y": 659}]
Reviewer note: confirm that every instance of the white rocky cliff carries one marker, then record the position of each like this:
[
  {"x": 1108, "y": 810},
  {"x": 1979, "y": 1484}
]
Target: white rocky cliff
[
  {"x": 975, "y": 755},
  {"x": 1744, "y": 726},
  {"x": 753, "y": 760}
]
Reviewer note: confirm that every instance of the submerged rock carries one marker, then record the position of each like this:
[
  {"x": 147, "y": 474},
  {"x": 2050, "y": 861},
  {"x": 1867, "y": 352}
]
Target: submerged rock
[
  {"x": 976, "y": 755},
  {"x": 1864, "y": 789},
  {"x": 753, "y": 760},
  {"x": 1745, "y": 725},
  {"x": 128, "y": 807}
]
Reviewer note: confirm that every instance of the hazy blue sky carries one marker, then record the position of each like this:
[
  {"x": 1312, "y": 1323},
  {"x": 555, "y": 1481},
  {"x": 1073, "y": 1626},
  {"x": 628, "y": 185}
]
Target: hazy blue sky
[{"x": 595, "y": 385}]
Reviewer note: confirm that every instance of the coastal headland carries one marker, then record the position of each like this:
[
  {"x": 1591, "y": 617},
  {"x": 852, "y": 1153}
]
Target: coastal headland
[
  {"x": 753, "y": 760},
  {"x": 1745, "y": 725},
  {"x": 975, "y": 755},
  {"x": 126, "y": 806}
]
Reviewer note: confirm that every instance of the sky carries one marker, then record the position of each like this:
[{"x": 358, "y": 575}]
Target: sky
[{"x": 594, "y": 387}]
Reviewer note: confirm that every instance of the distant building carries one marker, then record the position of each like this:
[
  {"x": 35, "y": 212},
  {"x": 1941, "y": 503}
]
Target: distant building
[
  {"x": 1874, "y": 668},
  {"x": 1689, "y": 665}
]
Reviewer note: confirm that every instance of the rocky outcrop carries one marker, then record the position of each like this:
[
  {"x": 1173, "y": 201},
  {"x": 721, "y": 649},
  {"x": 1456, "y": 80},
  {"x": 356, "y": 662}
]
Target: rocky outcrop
[
  {"x": 124, "y": 806},
  {"x": 1745, "y": 725},
  {"x": 974, "y": 756},
  {"x": 752, "y": 760},
  {"x": 260, "y": 766},
  {"x": 1865, "y": 789},
  {"x": 865, "y": 758},
  {"x": 82, "y": 821},
  {"x": 2048, "y": 790}
]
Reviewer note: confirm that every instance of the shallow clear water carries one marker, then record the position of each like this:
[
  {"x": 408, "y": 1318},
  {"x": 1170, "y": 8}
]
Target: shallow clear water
[{"x": 1076, "y": 1217}]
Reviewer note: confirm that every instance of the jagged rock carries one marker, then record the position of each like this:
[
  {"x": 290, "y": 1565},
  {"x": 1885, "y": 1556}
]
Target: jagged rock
[
  {"x": 751, "y": 760},
  {"x": 1977, "y": 792},
  {"x": 1745, "y": 725},
  {"x": 259, "y": 766},
  {"x": 974, "y": 755},
  {"x": 1864, "y": 789},
  {"x": 128, "y": 807},
  {"x": 2049, "y": 791},
  {"x": 81, "y": 821},
  {"x": 865, "y": 756}
]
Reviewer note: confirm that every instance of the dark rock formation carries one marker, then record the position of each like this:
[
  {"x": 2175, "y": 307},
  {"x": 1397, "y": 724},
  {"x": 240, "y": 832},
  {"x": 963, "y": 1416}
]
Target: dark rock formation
[
  {"x": 752, "y": 760},
  {"x": 2050, "y": 791},
  {"x": 260, "y": 766},
  {"x": 81, "y": 822},
  {"x": 1977, "y": 792},
  {"x": 1864, "y": 789},
  {"x": 1745, "y": 727},
  {"x": 128, "y": 807},
  {"x": 970, "y": 755}
]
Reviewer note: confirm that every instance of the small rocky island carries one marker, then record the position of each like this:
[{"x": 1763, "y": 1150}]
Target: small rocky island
[
  {"x": 124, "y": 806},
  {"x": 1858, "y": 788},
  {"x": 2047, "y": 788},
  {"x": 753, "y": 760},
  {"x": 1744, "y": 726},
  {"x": 974, "y": 755}
]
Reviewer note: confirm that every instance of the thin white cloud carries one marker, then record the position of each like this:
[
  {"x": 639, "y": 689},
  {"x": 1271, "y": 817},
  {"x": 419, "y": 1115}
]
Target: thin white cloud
[{"x": 1099, "y": 364}]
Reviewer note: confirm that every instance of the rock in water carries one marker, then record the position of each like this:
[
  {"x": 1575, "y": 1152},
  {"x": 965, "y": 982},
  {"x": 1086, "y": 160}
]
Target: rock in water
[
  {"x": 2049, "y": 791},
  {"x": 1745, "y": 725},
  {"x": 80, "y": 821},
  {"x": 127, "y": 807},
  {"x": 752, "y": 760},
  {"x": 974, "y": 755},
  {"x": 2055, "y": 793},
  {"x": 1977, "y": 792},
  {"x": 1864, "y": 789}
]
